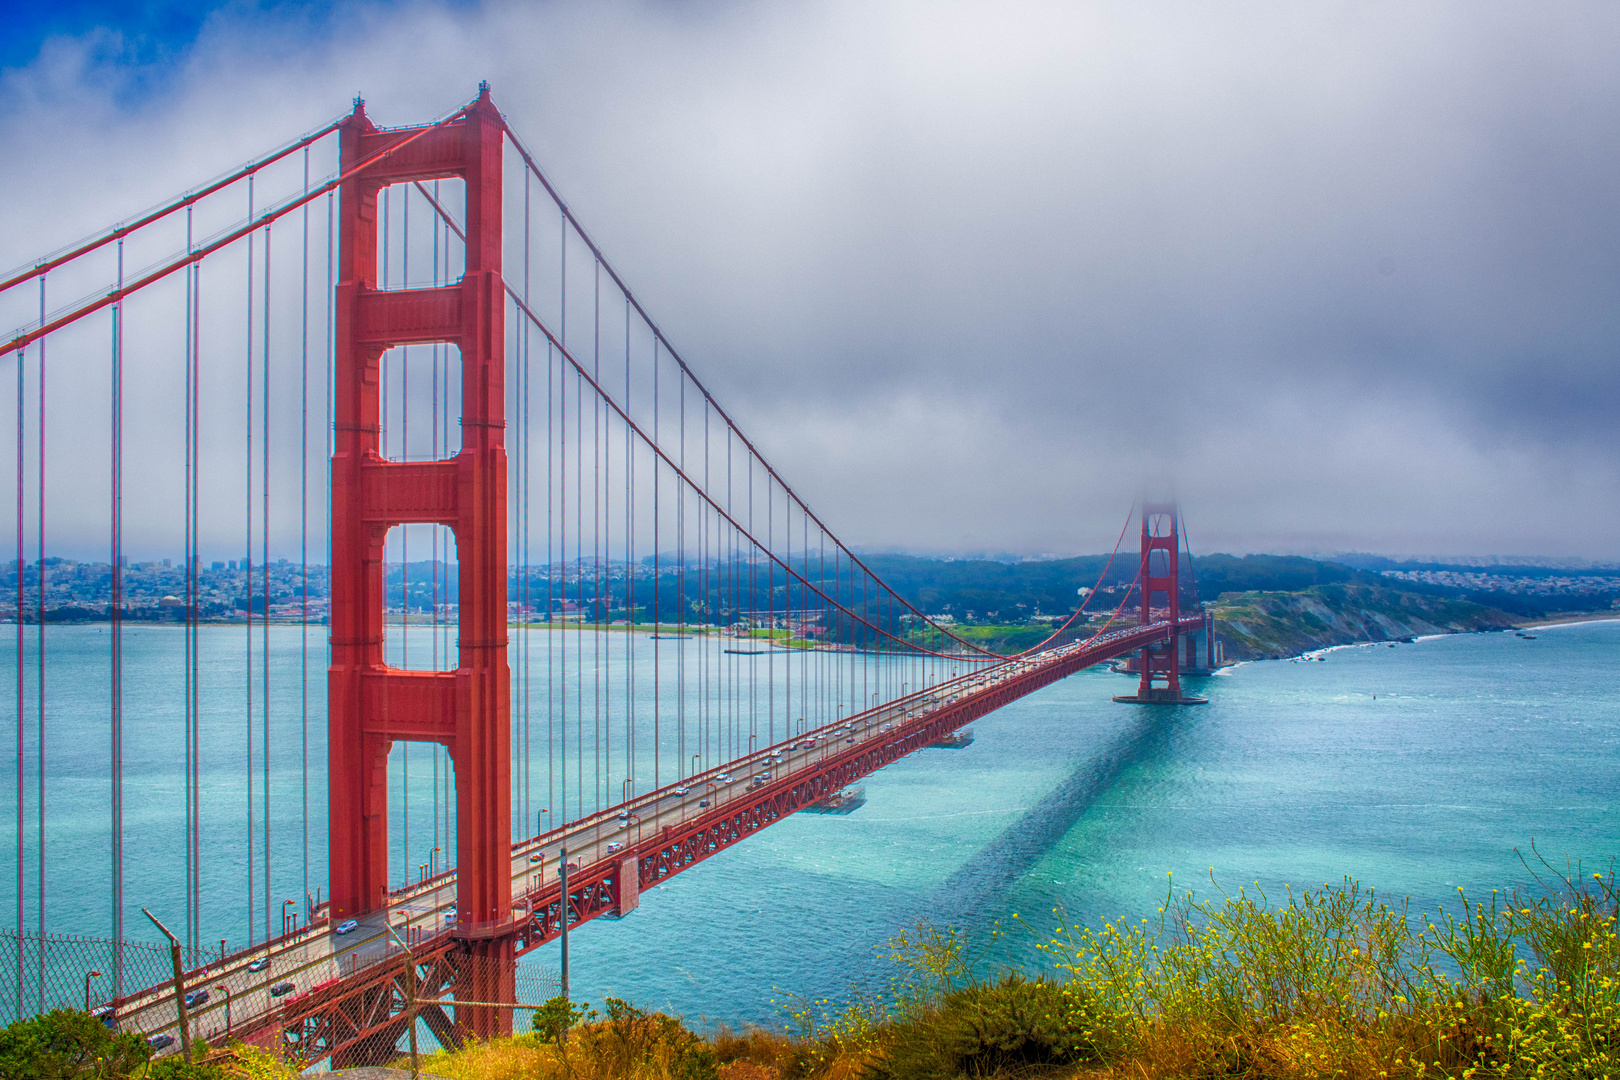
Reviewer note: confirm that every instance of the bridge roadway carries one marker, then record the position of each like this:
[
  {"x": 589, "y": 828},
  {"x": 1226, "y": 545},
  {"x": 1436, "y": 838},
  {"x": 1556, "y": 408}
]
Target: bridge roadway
[{"x": 612, "y": 856}]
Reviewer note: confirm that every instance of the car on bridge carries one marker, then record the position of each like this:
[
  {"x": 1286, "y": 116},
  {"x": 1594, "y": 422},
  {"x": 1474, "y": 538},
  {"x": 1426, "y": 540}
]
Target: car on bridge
[
  {"x": 260, "y": 964},
  {"x": 615, "y": 846},
  {"x": 161, "y": 1041},
  {"x": 683, "y": 790},
  {"x": 538, "y": 856},
  {"x": 347, "y": 926},
  {"x": 282, "y": 989},
  {"x": 196, "y": 998}
]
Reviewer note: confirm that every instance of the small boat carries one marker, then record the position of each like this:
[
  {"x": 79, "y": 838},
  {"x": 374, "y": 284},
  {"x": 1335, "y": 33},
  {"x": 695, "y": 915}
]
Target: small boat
[{"x": 957, "y": 740}]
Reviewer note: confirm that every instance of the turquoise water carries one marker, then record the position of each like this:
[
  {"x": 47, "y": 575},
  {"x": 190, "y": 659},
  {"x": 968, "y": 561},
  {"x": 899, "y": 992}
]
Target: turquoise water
[
  {"x": 1293, "y": 774},
  {"x": 1416, "y": 769}
]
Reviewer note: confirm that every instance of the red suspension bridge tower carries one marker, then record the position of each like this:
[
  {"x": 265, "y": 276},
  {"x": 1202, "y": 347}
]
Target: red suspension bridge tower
[
  {"x": 1160, "y": 578},
  {"x": 372, "y": 704}
]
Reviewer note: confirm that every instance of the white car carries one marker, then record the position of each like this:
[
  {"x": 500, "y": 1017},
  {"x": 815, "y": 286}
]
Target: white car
[
  {"x": 345, "y": 927},
  {"x": 615, "y": 846}
]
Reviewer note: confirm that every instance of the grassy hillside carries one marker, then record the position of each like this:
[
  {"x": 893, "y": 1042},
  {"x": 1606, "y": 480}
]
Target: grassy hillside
[{"x": 1269, "y": 625}]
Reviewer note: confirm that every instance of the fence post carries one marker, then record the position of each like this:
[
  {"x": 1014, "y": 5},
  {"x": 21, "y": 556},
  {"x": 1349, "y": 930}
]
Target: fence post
[{"x": 179, "y": 984}]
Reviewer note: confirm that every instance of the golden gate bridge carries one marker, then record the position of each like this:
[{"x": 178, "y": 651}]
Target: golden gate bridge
[{"x": 494, "y": 393}]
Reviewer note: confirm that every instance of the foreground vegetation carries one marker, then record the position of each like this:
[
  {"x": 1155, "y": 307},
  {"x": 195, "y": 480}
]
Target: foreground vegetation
[{"x": 1333, "y": 982}]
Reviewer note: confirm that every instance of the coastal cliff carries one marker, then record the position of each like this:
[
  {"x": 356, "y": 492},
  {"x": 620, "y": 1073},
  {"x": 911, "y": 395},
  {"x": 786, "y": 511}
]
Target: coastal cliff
[{"x": 1272, "y": 625}]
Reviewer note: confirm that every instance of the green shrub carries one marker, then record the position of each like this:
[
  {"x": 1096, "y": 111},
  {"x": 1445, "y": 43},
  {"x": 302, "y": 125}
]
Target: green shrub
[
  {"x": 552, "y": 1021},
  {"x": 996, "y": 1029},
  {"x": 68, "y": 1045},
  {"x": 176, "y": 1067}
]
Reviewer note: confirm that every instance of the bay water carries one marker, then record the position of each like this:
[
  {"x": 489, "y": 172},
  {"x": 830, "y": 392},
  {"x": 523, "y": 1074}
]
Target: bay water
[{"x": 1416, "y": 769}]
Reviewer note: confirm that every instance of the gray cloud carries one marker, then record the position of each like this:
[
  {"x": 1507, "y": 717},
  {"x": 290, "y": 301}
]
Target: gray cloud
[{"x": 1342, "y": 276}]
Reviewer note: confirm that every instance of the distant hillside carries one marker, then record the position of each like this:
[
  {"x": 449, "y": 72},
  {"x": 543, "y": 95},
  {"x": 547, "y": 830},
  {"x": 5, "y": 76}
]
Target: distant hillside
[
  {"x": 1271, "y": 625},
  {"x": 1265, "y": 605}
]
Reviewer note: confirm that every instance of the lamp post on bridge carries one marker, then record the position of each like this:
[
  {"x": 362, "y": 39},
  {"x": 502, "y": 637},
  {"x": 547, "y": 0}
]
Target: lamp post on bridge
[
  {"x": 562, "y": 911},
  {"x": 87, "y": 977},
  {"x": 285, "y": 904},
  {"x": 226, "y": 990}
]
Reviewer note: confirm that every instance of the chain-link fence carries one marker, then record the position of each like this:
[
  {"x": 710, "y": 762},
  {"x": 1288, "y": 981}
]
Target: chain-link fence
[
  {"x": 537, "y": 984},
  {"x": 41, "y": 972}
]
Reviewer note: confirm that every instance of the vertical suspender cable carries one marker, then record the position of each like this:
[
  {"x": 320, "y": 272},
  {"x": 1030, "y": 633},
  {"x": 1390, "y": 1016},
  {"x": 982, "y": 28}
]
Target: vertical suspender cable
[
  {"x": 596, "y": 523},
  {"x": 331, "y": 398},
  {"x": 562, "y": 506},
  {"x": 116, "y": 612},
  {"x": 247, "y": 586},
  {"x": 195, "y": 570},
  {"x": 658, "y": 580},
  {"x": 39, "y": 664},
  {"x": 522, "y": 471},
  {"x": 579, "y": 593},
  {"x": 191, "y": 603},
  {"x": 770, "y": 610},
  {"x": 552, "y": 751},
  {"x": 264, "y": 576},
  {"x": 22, "y": 662},
  {"x": 629, "y": 561},
  {"x": 405, "y": 533},
  {"x": 303, "y": 534},
  {"x": 680, "y": 597}
]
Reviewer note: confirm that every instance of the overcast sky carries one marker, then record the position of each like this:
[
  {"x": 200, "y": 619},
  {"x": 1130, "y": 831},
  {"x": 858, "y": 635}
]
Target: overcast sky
[{"x": 1341, "y": 276}]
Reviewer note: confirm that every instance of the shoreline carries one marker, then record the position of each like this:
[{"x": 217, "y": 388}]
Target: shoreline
[{"x": 1571, "y": 620}]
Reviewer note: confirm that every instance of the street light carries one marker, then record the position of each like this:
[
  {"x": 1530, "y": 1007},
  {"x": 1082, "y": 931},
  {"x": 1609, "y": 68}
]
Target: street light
[
  {"x": 227, "y": 992},
  {"x": 285, "y": 904},
  {"x": 87, "y": 977}
]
